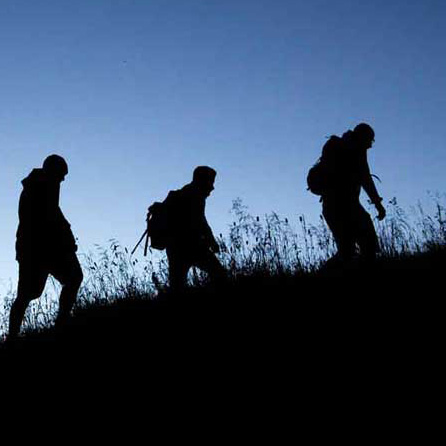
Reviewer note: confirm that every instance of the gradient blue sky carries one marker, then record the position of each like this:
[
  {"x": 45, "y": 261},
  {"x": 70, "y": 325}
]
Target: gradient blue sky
[{"x": 136, "y": 93}]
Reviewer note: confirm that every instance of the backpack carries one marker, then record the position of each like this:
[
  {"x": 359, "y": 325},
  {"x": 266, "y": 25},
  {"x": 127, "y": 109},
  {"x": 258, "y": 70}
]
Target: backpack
[
  {"x": 160, "y": 221},
  {"x": 322, "y": 174}
]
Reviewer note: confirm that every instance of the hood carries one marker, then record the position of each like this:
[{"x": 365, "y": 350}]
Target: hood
[{"x": 37, "y": 176}]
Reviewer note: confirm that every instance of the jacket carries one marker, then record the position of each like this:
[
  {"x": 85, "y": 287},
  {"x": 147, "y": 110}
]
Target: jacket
[{"x": 43, "y": 230}]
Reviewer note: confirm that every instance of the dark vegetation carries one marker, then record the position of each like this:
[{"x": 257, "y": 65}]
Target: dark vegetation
[{"x": 283, "y": 320}]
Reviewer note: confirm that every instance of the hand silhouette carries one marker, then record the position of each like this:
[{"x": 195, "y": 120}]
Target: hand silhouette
[{"x": 381, "y": 211}]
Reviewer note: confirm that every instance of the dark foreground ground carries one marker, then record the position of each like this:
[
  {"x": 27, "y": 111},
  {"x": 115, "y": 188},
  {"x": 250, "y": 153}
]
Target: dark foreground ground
[{"x": 368, "y": 338}]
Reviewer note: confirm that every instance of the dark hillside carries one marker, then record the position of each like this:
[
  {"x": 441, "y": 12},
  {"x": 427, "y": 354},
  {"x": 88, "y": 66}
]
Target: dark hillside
[
  {"x": 355, "y": 354},
  {"x": 378, "y": 318}
]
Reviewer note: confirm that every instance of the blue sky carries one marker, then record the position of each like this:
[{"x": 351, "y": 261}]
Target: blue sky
[{"x": 135, "y": 94}]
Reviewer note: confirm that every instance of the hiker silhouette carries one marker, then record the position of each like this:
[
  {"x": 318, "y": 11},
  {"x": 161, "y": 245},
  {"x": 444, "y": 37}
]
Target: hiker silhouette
[
  {"x": 45, "y": 243},
  {"x": 346, "y": 172},
  {"x": 191, "y": 241}
]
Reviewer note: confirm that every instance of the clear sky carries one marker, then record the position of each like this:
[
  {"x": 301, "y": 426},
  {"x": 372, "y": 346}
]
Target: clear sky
[{"x": 136, "y": 93}]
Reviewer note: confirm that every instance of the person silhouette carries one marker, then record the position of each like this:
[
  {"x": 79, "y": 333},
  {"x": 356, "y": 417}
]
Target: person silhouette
[
  {"x": 191, "y": 241},
  {"x": 350, "y": 224},
  {"x": 45, "y": 243}
]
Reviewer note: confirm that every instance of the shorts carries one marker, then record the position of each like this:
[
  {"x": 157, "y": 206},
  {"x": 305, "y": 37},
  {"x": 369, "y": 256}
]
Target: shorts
[{"x": 33, "y": 274}]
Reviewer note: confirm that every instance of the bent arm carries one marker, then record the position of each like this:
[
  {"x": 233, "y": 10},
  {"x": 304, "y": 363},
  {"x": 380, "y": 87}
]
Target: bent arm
[{"x": 368, "y": 184}]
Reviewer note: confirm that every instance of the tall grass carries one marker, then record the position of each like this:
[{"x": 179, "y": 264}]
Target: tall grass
[
  {"x": 415, "y": 231},
  {"x": 273, "y": 245},
  {"x": 269, "y": 245}
]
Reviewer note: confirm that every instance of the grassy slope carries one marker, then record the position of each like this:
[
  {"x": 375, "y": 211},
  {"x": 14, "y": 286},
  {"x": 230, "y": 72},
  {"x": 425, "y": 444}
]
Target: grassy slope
[
  {"x": 351, "y": 313},
  {"x": 354, "y": 352}
]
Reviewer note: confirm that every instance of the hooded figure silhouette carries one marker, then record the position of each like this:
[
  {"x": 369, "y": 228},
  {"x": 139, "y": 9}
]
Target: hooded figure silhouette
[{"x": 45, "y": 243}]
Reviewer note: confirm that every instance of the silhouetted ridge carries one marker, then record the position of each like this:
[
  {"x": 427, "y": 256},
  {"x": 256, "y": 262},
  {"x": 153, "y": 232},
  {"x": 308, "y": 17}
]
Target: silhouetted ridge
[{"x": 373, "y": 315}]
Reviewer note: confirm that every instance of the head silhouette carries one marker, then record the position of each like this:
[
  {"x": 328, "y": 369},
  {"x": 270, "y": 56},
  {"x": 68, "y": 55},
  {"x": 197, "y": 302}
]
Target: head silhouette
[
  {"x": 364, "y": 135},
  {"x": 204, "y": 178},
  {"x": 55, "y": 167}
]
